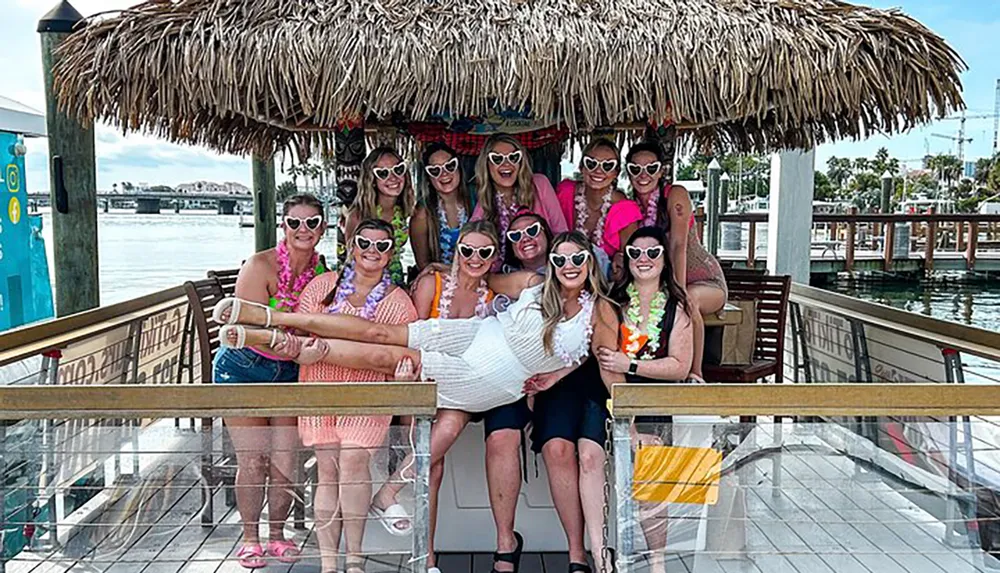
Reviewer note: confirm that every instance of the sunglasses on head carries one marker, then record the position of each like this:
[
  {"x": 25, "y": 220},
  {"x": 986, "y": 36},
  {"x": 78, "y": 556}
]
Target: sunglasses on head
[
  {"x": 468, "y": 250},
  {"x": 436, "y": 171},
  {"x": 382, "y": 173},
  {"x": 531, "y": 230},
  {"x": 651, "y": 169},
  {"x": 577, "y": 259},
  {"x": 364, "y": 243},
  {"x": 311, "y": 223},
  {"x": 653, "y": 253},
  {"x": 514, "y": 157},
  {"x": 607, "y": 165}
]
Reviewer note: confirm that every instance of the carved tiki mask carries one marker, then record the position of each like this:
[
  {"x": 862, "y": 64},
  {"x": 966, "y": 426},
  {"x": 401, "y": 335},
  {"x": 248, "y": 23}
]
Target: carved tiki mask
[{"x": 349, "y": 147}]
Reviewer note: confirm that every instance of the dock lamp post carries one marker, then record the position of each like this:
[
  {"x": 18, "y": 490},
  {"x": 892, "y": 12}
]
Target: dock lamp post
[
  {"x": 712, "y": 207},
  {"x": 72, "y": 180}
]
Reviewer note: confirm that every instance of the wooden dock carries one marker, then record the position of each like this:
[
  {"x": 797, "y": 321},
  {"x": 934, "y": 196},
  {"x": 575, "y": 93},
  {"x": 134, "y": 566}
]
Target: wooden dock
[{"x": 827, "y": 516}]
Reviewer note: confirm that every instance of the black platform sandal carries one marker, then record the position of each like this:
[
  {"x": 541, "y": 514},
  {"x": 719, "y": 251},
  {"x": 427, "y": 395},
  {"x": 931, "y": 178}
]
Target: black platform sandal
[
  {"x": 514, "y": 557},
  {"x": 580, "y": 568}
]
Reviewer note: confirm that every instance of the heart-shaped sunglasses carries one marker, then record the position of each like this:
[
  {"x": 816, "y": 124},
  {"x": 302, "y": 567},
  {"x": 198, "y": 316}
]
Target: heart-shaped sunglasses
[
  {"x": 311, "y": 223},
  {"x": 436, "y": 171},
  {"x": 577, "y": 259},
  {"x": 531, "y": 230},
  {"x": 382, "y": 173},
  {"x": 364, "y": 243}
]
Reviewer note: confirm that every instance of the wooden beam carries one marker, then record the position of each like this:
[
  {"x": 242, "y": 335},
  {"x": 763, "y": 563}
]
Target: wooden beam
[
  {"x": 214, "y": 400},
  {"x": 265, "y": 218},
  {"x": 865, "y": 399},
  {"x": 888, "y": 246},
  {"x": 752, "y": 246}
]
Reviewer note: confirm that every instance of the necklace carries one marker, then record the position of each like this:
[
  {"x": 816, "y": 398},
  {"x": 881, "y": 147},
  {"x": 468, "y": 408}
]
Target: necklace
[
  {"x": 506, "y": 214},
  {"x": 347, "y": 288},
  {"x": 448, "y": 235},
  {"x": 651, "y": 323},
  {"x": 572, "y": 357},
  {"x": 650, "y": 210},
  {"x": 583, "y": 214},
  {"x": 400, "y": 234},
  {"x": 287, "y": 296},
  {"x": 448, "y": 292}
]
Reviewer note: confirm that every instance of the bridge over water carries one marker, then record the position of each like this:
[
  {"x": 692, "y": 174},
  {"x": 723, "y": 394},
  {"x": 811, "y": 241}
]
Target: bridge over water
[{"x": 150, "y": 203}]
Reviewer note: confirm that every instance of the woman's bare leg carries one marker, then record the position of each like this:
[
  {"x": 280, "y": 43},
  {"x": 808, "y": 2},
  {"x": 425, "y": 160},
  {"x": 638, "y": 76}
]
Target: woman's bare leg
[
  {"x": 355, "y": 496},
  {"x": 360, "y": 355},
  {"x": 326, "y": 505},
  {"x": 282, "y": 473},
  {"x": 702, "y": 299},
  {"x": 343, "y": 326},
  {"x": 251, "y": 442},
  {"x": 592, "y": 496},
  {"x": 653, "y": 519}
]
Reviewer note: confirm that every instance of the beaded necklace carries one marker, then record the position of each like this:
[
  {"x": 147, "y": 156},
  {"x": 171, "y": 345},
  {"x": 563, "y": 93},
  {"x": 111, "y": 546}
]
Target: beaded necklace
[
  {"x": 286, "y": 299},
  {"x": 448, "y": 292},
  {"x": 347, "y": 288},
  {"x": 583, "y": 214}
]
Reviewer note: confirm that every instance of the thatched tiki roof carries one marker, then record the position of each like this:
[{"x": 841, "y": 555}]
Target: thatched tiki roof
[{"x": 257, "y": 75}]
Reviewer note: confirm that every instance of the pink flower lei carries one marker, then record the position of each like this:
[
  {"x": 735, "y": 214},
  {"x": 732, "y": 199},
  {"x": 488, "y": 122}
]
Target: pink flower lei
[
  {"x": 506, "y": 213},
  {"x": 651, "y": 209},
  {"x": 347, "y": 288},
  {"x": 448, "y": 292},
  {"x": 287, "y": 297}
]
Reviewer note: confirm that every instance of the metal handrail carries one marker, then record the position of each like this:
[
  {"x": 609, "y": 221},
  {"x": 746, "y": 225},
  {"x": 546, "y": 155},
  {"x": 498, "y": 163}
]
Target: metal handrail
[{"x": 216, "y": 400}]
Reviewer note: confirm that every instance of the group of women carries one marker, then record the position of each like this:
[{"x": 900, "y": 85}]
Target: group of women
[{"x": 511, "y": 315}]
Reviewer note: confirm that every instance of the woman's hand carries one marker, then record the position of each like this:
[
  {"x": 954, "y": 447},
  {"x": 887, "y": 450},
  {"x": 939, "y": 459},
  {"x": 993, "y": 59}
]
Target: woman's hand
[
  {"x": 406, "y": 371},
  {"x": 313, "y": 351},
  {"x": 287, "y": 347},
  {"x": 613, "y": 360},
  {"x": 541, "y": 382}
]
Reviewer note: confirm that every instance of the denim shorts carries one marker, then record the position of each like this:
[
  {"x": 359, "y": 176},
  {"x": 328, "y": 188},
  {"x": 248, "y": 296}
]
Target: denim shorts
[{"x": 244, "y": 366}]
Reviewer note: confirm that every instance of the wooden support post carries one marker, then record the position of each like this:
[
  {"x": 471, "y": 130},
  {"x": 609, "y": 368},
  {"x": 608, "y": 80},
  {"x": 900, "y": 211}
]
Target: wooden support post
[
  {"x": 752, "y": 246},
  {"x": 711, "y": 241},
  {"x": 931, "y": 242},
  {"x": 960, "y": 236},
  {"x": 852, "y": 228},
  {"x": 834, "y": 229},
  {"x": 973, "y": 244},
  {"x": 890, "y": 238},
  {"x": 72, "y": 180},
  {"x": 265, "y": 218},
  {"x": 700, "y": 214}
]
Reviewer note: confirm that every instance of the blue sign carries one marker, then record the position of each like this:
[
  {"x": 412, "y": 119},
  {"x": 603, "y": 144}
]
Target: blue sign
[{"x": 25, "y": 296}]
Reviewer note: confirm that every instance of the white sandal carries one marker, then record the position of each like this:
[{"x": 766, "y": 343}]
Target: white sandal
[
  {"x": 241, "y": 336},
  {"x": 235, "y": 304},
  {"x": 390, "y": 517}
]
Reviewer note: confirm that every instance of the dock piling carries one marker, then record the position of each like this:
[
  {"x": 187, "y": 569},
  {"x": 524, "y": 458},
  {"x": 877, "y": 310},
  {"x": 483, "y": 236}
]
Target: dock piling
[
  {"x": 265, "y": 230},
  {"x": 71, "y": 144}
]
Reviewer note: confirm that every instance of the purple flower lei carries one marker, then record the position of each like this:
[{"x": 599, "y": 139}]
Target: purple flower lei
[{"x": 347, "y": 288}]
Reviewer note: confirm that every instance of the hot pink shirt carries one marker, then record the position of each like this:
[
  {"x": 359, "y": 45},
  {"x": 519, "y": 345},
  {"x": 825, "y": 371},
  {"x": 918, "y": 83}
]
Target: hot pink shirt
[{"x": 620, "y": 215}]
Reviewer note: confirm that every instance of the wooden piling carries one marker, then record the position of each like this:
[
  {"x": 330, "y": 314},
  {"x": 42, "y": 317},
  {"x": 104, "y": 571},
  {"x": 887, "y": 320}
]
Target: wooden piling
[
  {"x": 973, "y": 243},
  {"x": 72, "y": 181},
  {"x": 931, "y": 241},
  {"x": 265, "y": 217},
  {"x": 851, "y": 239},
  {"x": 752, "y": 246},
  {"x": 888, "y": 244}
]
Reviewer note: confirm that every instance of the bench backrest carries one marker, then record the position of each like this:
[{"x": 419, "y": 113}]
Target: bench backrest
[{"x": 771, "y": 295}]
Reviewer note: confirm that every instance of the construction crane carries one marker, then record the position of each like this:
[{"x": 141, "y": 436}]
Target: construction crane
[
  {"x": 961, "y": 139},
  {"x": 996, "y": 117}
]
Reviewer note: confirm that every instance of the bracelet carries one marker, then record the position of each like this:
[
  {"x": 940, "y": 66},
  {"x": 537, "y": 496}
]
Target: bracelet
[{"x": 633, "y": 367}]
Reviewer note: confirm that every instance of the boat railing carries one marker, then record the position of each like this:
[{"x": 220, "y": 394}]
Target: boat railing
[
  {"x": 769, "y": 475},
  {"x": 853, "y": 236}
]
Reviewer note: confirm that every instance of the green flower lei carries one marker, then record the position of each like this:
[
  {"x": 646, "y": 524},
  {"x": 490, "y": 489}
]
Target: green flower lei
[
  {"x": 400, "y": 234},
  {"x": 657, "y": 308}
]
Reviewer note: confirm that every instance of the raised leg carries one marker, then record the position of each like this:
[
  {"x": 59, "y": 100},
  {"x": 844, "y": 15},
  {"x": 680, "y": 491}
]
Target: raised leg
[
  {"x": 360, "y": 355},
  {"x": 653, "y": 519},
  {"x": 343, "y": 326},
  {"x": 564, "y": 482},
  {"x": 702, "y": 299},
  {"x": 592, "y": 496}
]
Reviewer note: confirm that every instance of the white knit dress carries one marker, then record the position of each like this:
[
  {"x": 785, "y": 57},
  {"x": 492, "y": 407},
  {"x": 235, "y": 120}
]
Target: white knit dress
[{"x": 482, "y": 363}]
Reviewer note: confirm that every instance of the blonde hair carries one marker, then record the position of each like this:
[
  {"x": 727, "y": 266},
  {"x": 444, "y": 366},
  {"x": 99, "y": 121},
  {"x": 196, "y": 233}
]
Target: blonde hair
[
  {"x": 606, "y": 143},
  {"x": 486, "y": 192},
  {"x": 552, "y": 300},
  {"x": 366, "y": 201}
]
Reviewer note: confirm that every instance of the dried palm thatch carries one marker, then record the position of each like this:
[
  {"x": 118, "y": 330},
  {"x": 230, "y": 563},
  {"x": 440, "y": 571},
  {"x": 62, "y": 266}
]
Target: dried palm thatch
[{"x": 261, "y": 75}]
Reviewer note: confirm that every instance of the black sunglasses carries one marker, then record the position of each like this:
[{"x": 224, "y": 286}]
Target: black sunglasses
[
  {"x": 436, "y": 171},
  {"x": 651, "y": 169},
  {"x": 311, "y": 223},
  {"x": 653, "y": 253},
  {"x": 531, "y": 230},
  {"x": 514, "y": 157},
  {"x": 577, "y": 259},
  {"x": 467, "y": 251},
  {"x": 382, "y": 173},
  {"x": 591, "y": 164},
  {"x": 381, "y": 245}
]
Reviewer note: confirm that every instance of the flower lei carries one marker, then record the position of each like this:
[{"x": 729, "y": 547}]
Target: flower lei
[
  {"x": 582, "y": 214},
  {"x": 448, "y": 292},
  {"x": 506, "y": 214},
  {"x": 447, "y": 237},
  {"x": 650, "y": 210},
  {"x": 347, "y": 288},
  {"x": 287, "y": 297},
  {"x": 657, "y": 308},
  {"x": 568, "y": 357},
  {"x": 400, "y": 234}
]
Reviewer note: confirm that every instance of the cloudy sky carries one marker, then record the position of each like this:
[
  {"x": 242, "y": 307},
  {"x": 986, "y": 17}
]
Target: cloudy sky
[{"x": 971, "y": 26}]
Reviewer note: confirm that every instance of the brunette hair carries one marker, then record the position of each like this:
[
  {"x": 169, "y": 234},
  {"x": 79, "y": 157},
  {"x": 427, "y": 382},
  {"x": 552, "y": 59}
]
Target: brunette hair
[
  {"x": 510, "y": 260},
  {"x": 429, "y": 196},
  {"x": 373, "y": 224},
  {"x": 649, "y": 146},
  {"x": 366, "y": 201},
  {"x": 668, "y": 284}
]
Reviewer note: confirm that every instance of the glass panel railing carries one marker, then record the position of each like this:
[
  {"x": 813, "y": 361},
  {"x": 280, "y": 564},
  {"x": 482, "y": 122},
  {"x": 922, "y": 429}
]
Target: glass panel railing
[{"x": 721, "y": 493}]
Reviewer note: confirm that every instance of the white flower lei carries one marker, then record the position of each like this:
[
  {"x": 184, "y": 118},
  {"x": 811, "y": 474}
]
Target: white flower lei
[
  {"x": 571, "y": 357},
  {"x": 448, "y": 292},
  {"x": 582, "y": 214}
]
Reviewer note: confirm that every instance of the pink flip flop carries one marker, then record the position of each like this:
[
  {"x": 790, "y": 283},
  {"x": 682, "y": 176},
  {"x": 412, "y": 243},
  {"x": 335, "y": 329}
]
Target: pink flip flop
[
  {"x": 283, "y": 550},
  {"x": 251, "y": 556}
]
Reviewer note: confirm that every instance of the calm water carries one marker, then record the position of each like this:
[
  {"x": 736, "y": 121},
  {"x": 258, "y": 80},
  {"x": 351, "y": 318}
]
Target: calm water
[{"x": 140, "y": 254}]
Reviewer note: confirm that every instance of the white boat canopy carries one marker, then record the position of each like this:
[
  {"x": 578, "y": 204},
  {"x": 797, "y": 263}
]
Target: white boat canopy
[{"x": 15, "y": 117}]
